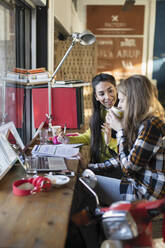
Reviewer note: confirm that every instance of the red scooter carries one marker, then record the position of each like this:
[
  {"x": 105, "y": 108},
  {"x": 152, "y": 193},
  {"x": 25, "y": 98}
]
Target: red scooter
[{"x": 125, "y": 224}]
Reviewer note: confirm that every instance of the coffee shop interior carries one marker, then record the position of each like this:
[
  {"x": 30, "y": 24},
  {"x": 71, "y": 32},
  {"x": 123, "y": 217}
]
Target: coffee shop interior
[{"x": 50, "y": 50}]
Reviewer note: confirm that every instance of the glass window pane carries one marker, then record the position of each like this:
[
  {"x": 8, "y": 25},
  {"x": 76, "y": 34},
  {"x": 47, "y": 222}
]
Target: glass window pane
[
  {"x": 8, "y": 59},
  {"x": 15, "y": 51}
]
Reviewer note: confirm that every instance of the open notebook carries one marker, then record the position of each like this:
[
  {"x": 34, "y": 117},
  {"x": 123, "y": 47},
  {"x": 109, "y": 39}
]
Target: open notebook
[{"x": 69, "y": 151}]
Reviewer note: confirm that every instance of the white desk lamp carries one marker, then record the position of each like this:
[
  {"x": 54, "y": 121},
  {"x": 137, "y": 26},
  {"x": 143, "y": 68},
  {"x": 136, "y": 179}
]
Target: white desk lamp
[{"x": 86, "y": 38}]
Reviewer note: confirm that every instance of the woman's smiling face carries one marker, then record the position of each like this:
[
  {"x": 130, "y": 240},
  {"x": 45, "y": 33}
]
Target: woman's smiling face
[{"x": 106, "y": 94}]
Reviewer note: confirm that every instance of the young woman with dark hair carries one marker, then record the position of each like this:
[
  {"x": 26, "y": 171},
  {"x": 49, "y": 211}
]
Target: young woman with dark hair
[
  {"x": 102, "y": 146},
  {"x": 104, "y": 97},
  {"x": 98, "y": 136}
]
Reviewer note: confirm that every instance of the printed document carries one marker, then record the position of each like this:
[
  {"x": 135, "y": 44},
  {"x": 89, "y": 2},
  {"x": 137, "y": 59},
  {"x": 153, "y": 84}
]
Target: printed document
[{"x": 64, "y": 151}]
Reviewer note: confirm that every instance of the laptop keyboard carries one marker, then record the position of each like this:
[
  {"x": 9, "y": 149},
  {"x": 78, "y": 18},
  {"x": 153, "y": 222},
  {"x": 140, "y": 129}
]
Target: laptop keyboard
[
  {"x": 47, "y": 163},
  {"x": 40, "y": 163}
]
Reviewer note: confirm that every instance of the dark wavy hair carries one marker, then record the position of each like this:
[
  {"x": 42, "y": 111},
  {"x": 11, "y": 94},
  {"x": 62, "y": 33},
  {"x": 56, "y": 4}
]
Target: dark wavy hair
[{"x": 96, "y": 121}]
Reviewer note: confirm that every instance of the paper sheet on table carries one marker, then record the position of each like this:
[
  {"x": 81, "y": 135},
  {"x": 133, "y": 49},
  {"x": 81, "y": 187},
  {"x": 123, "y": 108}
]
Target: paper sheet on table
[
  {"x": 64, "y": 151},
  {"x": 72, "y": 145}
]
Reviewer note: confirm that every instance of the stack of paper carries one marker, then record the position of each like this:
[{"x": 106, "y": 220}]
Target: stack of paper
[
  {"x": 65, "y": 151},
  {"x": 31, "y": 76}
]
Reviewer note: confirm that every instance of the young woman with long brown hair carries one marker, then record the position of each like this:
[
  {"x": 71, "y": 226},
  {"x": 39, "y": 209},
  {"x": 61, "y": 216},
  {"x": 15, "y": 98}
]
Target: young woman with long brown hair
[{"x": 141, "y": 145}]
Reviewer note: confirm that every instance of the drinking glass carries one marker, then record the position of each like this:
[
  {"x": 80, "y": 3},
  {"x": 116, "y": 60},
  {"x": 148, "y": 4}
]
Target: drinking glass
[
  {"x": 43, "y": 135},
  {"x": 30, "y": 165}
]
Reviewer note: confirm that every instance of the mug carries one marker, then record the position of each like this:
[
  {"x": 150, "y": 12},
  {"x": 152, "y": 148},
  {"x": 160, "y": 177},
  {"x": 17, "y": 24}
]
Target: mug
[{"x": 117, "y": 111}]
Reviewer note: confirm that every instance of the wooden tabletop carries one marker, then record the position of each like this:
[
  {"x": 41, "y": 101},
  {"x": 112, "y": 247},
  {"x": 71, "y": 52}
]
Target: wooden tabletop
[{"x": 39, "y": 220}]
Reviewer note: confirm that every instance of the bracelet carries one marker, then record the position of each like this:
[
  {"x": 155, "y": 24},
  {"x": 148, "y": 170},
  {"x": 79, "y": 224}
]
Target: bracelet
[{"x": 40, "y": 184}]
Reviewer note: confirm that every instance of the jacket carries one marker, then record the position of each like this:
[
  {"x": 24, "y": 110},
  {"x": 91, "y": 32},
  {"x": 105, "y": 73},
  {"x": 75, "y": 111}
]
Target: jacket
[
  {"x": 84, "y": 138},
  {"x": 143, "y": 166}
]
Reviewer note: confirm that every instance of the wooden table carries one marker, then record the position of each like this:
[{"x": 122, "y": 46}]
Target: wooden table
[{"x": 39, "y": 220}]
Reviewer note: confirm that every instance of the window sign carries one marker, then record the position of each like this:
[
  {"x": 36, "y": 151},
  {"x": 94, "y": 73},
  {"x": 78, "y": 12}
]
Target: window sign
[{"x": 119, "y": 36}]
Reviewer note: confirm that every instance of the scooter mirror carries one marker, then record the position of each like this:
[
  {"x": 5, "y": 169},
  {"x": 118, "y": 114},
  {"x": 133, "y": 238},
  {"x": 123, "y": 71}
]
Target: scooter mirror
[
  {"x": 90, "y": 178},
  {"x": 83, "y": 181}
]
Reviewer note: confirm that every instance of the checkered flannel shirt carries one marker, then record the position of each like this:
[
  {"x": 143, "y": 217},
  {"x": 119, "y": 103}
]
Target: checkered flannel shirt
[{"x": 143, "y": 165}]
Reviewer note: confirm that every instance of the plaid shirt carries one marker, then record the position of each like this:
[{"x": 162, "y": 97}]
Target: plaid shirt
[{"x": 143, "y": 165}]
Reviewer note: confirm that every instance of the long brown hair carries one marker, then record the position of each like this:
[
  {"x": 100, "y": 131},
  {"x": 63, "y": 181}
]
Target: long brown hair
[{"x": 141, "y": 103}]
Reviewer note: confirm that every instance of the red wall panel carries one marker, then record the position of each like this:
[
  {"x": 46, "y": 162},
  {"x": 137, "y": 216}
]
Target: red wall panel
[
  {"x": 14, "y": 105},
  {"x": 64, "y": 106},
  {"x": 40, "y": 105}
]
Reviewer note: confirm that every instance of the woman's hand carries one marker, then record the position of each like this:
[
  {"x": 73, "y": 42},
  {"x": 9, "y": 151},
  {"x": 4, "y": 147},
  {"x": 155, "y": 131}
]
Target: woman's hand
[
  {"x": 101, "y": 167},
  {"x": 95, "y": 167},
  {"x": 107, "y": 132},
  {"x": 62, "y": 138},
  {"x": 113, "y": 121}
]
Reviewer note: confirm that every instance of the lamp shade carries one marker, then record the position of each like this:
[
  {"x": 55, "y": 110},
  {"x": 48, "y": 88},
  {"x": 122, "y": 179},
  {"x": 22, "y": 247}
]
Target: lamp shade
[
  {"x": 86, "y": 38},
  {"x": 128, "y": 5}
]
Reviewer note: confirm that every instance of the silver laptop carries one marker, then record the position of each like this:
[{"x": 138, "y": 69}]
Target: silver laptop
[{"x": 44, "y": 164}]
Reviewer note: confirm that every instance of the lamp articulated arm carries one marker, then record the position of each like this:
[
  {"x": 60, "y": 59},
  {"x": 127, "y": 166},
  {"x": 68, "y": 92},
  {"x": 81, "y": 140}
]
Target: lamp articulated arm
[
  {"x": 52, "y": 78},
  {"x": 85, "y": 38}
]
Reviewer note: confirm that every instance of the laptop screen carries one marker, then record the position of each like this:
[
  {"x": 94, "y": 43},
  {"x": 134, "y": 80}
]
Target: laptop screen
[{"x": 44, "y": 164}]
